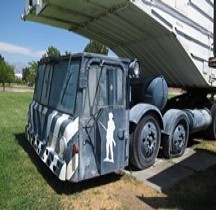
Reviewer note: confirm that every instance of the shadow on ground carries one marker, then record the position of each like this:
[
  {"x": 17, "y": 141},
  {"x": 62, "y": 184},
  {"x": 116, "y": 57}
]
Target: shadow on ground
[
  {"x": 194, "y": 191},
  {"x": 57, "y": 185}
]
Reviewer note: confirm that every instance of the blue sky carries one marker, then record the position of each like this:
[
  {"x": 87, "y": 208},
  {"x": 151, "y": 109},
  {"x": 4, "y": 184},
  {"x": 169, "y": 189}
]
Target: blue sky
[{"x": 24, "y": 41}]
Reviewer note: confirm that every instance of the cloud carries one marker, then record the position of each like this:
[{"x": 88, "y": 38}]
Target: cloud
[{"x": 15, "y": 49}]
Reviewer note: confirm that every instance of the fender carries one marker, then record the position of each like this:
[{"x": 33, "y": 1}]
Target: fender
[
  {"x": 172, "y": 114},
  {"x": 169, "y": 117},
  {"x": 139, "y": 110}
]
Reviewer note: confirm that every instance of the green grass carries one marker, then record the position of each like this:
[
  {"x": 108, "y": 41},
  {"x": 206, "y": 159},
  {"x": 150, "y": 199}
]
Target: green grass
[
  {"x": 21, "y": 186},
  {"x": 13, "y": 109}
]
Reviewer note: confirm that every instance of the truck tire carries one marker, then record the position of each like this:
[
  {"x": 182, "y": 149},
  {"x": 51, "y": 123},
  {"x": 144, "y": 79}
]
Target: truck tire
[
  {"x": 145, "y": 142},
  {"x": 211, "y": 131},
  {"x": 177, "y": 126}
]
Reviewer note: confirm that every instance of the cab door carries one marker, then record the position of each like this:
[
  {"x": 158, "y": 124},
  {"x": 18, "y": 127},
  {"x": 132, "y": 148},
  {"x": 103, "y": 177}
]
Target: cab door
[{"x": 107, "y": 126}]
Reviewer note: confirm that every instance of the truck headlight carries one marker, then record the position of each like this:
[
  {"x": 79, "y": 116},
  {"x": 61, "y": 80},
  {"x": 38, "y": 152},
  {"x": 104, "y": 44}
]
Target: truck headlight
[{"x": 134, "y": 68}]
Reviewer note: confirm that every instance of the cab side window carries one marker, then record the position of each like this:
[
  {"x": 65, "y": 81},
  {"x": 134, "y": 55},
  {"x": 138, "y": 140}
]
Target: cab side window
[
  {"x": 47, "y": 84},
  {"x": 39, "y": 82}
]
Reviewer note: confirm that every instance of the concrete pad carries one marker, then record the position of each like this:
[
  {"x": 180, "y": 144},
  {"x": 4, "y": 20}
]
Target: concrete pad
[
  {"x": 162, "y": 175},
  {"x": 166, "y": 173},
  {"x": 188, "y": 153}
]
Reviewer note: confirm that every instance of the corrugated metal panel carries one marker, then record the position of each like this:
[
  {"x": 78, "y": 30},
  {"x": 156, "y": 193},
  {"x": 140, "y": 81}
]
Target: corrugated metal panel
[{"x": 170, "y": 37}]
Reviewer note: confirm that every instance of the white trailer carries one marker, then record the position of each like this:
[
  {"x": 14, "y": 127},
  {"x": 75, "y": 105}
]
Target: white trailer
[{"x": 169, "y": 37}]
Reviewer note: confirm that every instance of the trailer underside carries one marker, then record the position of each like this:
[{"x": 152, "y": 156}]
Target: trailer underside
[{"x": 170, "y": 38}]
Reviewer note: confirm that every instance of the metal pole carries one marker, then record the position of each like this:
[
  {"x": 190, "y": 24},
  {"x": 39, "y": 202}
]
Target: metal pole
[
  {"x": 214, "y": 27},
  {"x": 212, "y": 60}
]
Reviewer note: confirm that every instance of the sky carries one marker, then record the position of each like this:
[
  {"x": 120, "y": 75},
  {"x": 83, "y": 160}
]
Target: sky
[{"x": 24, "y": 41}]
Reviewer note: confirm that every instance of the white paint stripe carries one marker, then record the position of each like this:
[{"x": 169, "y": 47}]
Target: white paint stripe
[
  {"x": 35, "y": 143},
  {"x": 45, "y": 110},
  {"x": 57, "y": 128},
  {"x": 72, "y": 166},
  {"x": 39, "y": 108},
  {"x": 53, "y": 163},
  {"x": 76, "y": 157},
  {"x": 71, "y": 129},
  {"x": 62, "y": 175},
  {"x": 40, "y": 146},
  {"x": 36, "y": 105},
  {"x": 45, "y": 156},
  {"x": 70, "y": 172},
  {"x": 50, "y": 119}
]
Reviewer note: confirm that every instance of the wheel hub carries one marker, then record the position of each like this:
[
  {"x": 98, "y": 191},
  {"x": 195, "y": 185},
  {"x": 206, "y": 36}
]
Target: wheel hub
[
  {"x": 149, "y": 139},
  {"x": 179, "y": 138}
]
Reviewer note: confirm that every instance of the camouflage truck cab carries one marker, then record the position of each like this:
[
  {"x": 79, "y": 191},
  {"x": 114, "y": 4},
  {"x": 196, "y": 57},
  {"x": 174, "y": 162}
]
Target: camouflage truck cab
[{"x": 78, "y": 121}]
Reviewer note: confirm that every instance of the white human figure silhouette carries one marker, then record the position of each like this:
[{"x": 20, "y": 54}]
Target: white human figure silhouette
[{"x": 110, "y": 139}]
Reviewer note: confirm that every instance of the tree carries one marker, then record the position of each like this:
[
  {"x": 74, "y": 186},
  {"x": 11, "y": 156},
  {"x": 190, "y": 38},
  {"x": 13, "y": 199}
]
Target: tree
[
  {"x": 52, "y": 51},
  {"x": 1, "y": 59},
  {"x": 33, "y": 66},
  {"x": 96, "y": 47},
  {"x": 25, "y": 73},
  {"x": 6, "y": 72},
  {"x": 29, "y": 73},
  {"x": 68, "y": 52},
  {"x": 11, "y": 75}
]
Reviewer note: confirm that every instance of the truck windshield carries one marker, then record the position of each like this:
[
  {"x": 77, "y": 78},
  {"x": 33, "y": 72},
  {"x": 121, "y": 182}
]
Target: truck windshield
[{"x": 56, "y": 85}]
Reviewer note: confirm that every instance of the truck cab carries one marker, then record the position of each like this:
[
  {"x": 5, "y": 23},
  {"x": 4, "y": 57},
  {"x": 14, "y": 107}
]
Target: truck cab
[
  {"x": 78, "y": 121},
  {"x": 92, "y": 115}
]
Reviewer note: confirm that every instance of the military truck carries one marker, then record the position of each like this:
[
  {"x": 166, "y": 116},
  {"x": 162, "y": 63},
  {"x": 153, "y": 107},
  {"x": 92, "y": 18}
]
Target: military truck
[{"x": 93, "y": 114}]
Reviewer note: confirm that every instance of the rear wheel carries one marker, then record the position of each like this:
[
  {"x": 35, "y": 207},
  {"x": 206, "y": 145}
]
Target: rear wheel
[
  {"x": 145, "y": 142},
  {"x": 178, "y": 129}
]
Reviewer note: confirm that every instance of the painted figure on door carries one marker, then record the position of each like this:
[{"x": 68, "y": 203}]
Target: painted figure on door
[{"x": 110, "y": 142}]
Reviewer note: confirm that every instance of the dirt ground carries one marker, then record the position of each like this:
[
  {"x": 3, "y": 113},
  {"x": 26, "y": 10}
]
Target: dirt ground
[{"x": 124, "y": 192}]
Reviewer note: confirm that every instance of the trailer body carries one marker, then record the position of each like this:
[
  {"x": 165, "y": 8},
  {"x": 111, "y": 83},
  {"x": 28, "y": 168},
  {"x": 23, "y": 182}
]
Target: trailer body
[{"x": 169, "y": 37}]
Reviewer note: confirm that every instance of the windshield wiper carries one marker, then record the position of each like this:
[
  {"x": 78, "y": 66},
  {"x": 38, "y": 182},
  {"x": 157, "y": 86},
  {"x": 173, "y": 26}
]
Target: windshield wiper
[
  {"x": 96, "y": 92},
  {"x": 64, "y": 91},
  {"x": 68, "y": 79}
]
